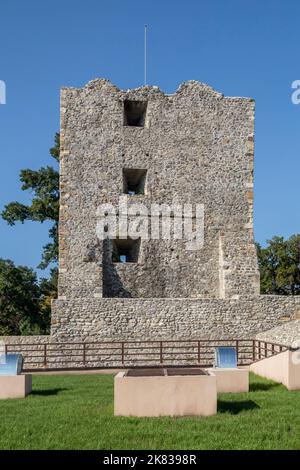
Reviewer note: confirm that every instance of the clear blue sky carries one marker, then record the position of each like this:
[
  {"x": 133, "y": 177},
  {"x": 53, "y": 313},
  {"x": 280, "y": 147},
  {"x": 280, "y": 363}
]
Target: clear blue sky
[{"x": 241, "y": 48}]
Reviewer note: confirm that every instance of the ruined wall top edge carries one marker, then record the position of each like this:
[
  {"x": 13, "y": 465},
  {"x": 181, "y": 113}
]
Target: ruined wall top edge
[{"x": 190, "y": 86}]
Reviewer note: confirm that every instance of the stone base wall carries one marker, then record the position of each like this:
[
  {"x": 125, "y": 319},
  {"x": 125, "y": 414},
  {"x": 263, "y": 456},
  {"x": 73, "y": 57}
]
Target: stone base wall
[
  {"x": 88, "y": 319},
  {"x": 85, "y": 320},
  {"x": 24, "y": 340}
]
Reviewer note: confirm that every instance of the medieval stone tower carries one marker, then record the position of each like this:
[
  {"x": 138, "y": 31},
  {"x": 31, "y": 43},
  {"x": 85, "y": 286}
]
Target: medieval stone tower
[{"x": 195, "y": 146}]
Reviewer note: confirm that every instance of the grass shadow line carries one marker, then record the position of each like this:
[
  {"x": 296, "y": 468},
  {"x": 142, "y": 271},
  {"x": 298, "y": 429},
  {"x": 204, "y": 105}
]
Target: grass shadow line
[
  {"x": 263, "y": 387},
  {"x": 48, "y": 392},
  {"x": 236, "y": 407}
]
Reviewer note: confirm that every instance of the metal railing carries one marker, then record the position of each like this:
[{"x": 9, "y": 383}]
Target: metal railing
[
  {"x": 123, "y": 354},
  {"x": 264, "y": 349}
]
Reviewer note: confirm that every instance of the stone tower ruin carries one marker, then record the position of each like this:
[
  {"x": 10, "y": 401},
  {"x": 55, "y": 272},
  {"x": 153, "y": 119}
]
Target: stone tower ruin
[{"x": 193, "y": 147}]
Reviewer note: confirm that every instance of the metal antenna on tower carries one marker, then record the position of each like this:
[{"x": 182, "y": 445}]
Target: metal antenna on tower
[{"x": 145, "y": 55}]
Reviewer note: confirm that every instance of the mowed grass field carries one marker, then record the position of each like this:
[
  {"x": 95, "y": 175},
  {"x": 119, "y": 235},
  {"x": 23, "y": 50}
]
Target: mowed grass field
[{"x": 76, "y": 412}]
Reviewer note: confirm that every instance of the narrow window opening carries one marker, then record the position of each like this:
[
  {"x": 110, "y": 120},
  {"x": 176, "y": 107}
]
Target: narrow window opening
[
  {"x": 134, "y": 181},
  {"x": 135, "y": 113},
  {"x": 125, "y": 251}
]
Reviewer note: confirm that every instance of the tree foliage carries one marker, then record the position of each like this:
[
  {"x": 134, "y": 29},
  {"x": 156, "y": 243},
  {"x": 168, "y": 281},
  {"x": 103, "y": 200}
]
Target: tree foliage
[
  {"x": 44, "y": 185},
  {"x": 23, "y": 307},
  {"x": 25, "y": 302},
  {"x": 279, "y": 264}
]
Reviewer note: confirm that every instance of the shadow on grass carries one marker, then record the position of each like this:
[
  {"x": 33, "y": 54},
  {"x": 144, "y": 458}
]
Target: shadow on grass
[
  {"x": 49, "y": 392},
  {"x": 236, "y": 407},
  {"x": 259, "y": 386}
]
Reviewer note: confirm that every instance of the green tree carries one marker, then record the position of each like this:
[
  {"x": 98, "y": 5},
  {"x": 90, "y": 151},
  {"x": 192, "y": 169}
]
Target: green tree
[
  {"x": 30, "y": 314},
  {"x": 44, "y": 184},
  {"x": 20, "y": 296},
  {"x": 279, "y": 264}
]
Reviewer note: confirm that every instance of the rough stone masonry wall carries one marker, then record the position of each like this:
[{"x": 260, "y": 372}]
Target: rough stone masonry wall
[
  {"x": 287, "y": 334},
  {"x": 165, "y": 319},
  {"x": 197, "y": 147},
  {"x": 152, "y": 320}
]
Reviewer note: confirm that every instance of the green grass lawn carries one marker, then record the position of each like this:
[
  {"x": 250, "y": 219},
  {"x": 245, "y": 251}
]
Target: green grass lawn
[{"x": 76, "y": 412}]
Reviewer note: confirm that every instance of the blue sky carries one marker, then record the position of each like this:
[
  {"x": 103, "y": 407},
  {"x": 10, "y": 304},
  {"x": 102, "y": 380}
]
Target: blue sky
[{"x": 239, "y": 47}]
